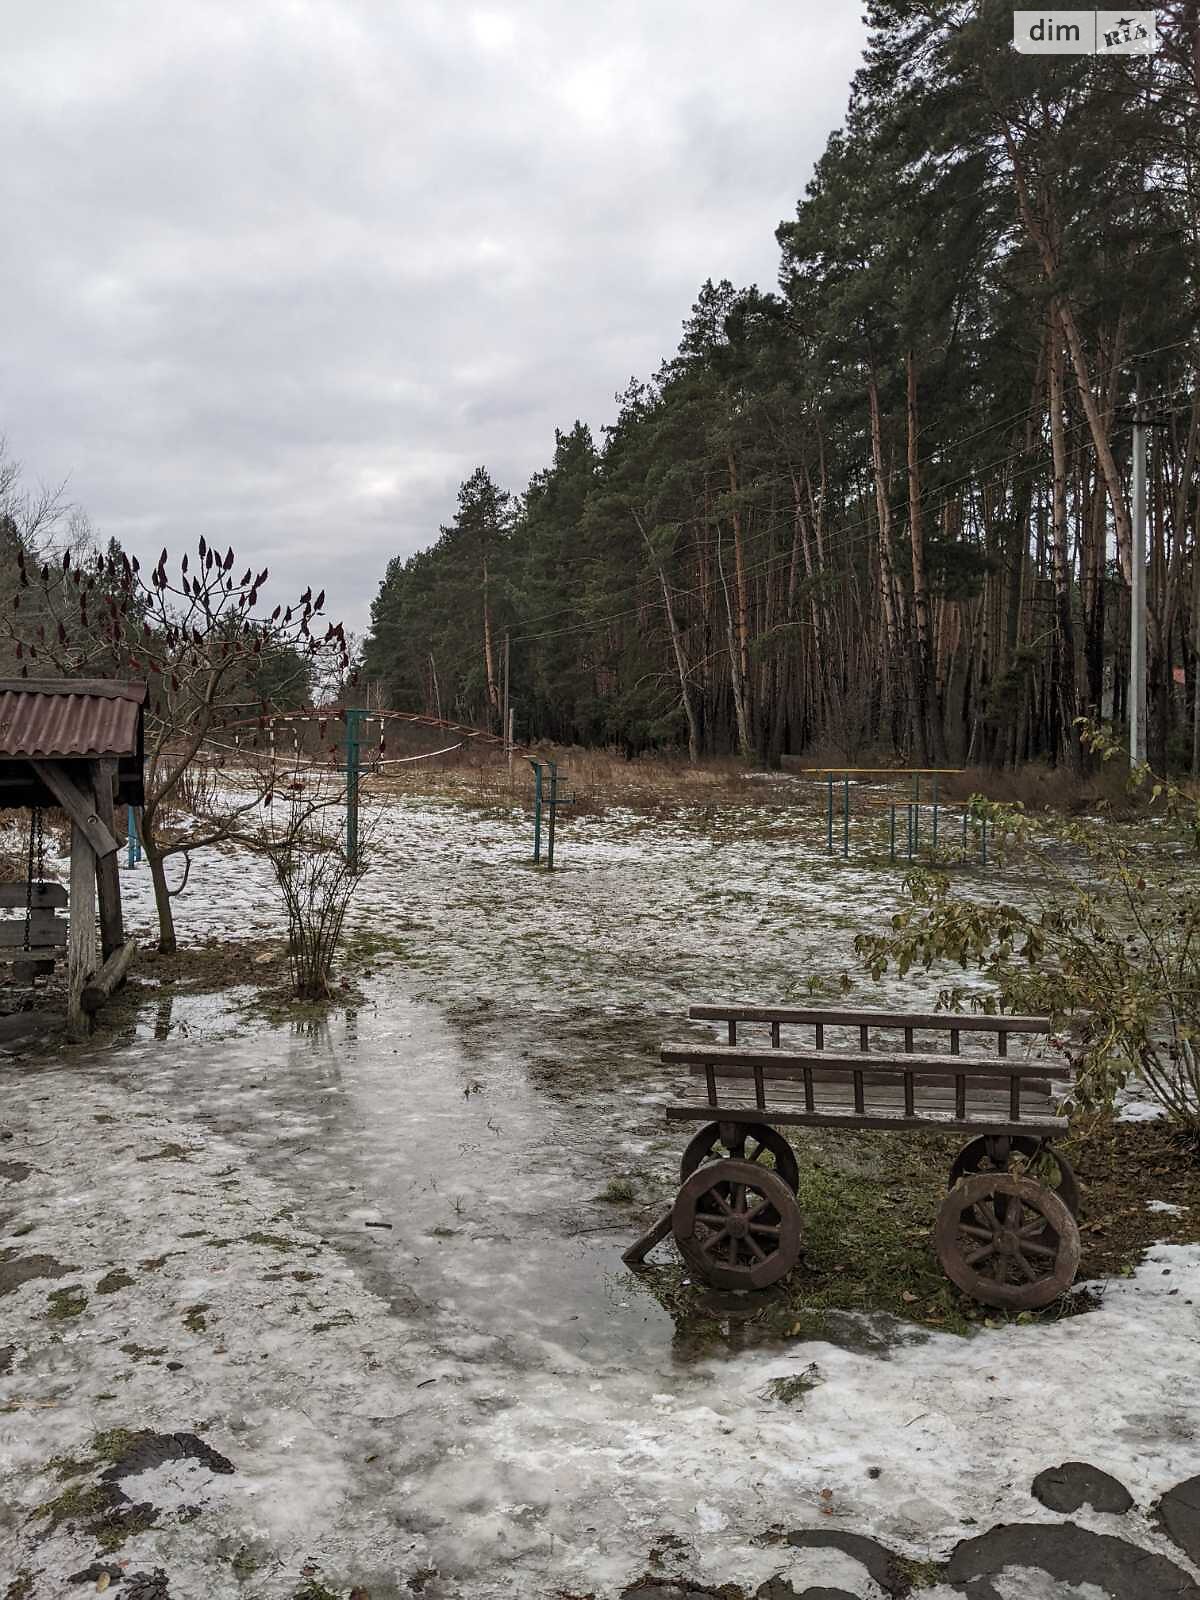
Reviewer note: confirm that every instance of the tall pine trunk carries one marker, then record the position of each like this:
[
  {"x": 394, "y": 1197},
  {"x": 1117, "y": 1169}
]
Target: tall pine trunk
[{"x": 1064, "y": 632}]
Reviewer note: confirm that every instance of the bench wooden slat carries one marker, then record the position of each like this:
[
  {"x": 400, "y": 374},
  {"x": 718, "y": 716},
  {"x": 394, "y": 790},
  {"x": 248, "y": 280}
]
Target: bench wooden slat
[
  {"x": 45, "y": 930},
  {"x": 723, "y": 1056},
  {"x": 1037, "y": 1084},
  {"x": 837, "y": 1096},
  {"x": 13, "y": 895},
  {"x": 824, "y": 1016},
  {"x": 1042, "y": 1126}
]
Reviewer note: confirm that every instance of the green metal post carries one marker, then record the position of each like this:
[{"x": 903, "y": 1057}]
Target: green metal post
[
  {"x": 909, "y": 809},
  {"x": 964, "y": 843},
  {"x": 537, "y": 809},
  {"x": 829, "y": 817},
  {"x": 353, "y": 725},
  {"x": 983, "y": 841},
  {"x": 553, "y": 765},
  {"x": 892, "y": 836},
  {"x": 935, "y": 813},
  {"x": 845, "y": 816},
  {"x": 916, "y": 810}
]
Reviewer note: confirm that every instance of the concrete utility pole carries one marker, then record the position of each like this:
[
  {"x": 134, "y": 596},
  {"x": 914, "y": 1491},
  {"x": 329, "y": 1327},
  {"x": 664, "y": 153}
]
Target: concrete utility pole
[
  {"x": 504, "y": 733},
  {"x": 1137, "y": 593}
]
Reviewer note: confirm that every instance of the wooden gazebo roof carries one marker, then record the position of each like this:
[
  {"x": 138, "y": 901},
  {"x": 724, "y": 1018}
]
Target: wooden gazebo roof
[{"x": 68, "y": 720}]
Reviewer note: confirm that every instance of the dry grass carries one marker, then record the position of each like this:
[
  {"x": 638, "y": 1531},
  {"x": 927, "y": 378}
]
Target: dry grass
[
  {"x": 478, "y": 775},
  {"x": 595, "y": 779},
  {"x": 1038, "y": 787}
]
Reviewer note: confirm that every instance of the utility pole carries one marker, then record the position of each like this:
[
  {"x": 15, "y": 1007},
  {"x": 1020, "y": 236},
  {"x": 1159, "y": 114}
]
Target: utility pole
[
  {"x": 504, "y": 730},
  {"x": 1137, "y": 592}
]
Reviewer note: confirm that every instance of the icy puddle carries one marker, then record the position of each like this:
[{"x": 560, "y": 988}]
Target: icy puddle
[{"x": 448, "y": 1179}]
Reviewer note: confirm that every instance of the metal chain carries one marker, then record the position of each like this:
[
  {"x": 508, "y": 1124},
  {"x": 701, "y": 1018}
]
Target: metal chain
[
  {"x": 35, "y": 817},
  {"x": 41, "y": 848}
]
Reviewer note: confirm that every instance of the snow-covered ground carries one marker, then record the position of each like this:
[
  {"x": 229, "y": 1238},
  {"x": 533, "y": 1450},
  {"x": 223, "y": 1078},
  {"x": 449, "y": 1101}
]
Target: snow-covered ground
[{"x": 476, "y": 1399}]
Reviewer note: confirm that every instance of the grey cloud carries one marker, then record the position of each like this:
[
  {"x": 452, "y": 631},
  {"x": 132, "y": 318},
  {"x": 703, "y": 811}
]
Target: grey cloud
[{"x": 282, "y": 274}]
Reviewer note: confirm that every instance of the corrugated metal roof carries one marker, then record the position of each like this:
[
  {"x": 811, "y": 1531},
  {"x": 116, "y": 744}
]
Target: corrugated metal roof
[{"x": 69, "y": 717}]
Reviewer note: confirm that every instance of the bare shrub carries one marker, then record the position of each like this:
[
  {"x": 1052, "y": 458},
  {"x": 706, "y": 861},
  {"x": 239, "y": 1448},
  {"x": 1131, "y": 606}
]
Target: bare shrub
[{"x": 303, "y": 836}]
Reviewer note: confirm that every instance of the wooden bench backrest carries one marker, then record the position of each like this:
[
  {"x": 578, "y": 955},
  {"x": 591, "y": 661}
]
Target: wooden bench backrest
[
  {"x": 953, "y": 1024},
  {"x": 917, "y": 1079}
]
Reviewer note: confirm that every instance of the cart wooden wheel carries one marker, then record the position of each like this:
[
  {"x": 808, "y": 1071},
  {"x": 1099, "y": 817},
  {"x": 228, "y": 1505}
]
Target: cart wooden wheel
[
  {"x": 743, "y": 1141},
  {"x": 1007, "y": 1241},
  {"x": 737, "y": 1225},
  {"x": 1025, "y": 1157}
]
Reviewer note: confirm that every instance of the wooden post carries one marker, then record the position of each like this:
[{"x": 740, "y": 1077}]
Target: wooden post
[
  {"x": 108, "y": 880},
  {"x": 81, "y": 939},
  {"x": 109, "y": 978}
]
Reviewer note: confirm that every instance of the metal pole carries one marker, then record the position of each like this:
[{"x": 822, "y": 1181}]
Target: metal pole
[
  {"x": 537, "y": 809},
  {"x": 846, "y": 816},
  {"x": 133, "y": 839},
  {"x": 553, "y": 809},
  {"x": 935, "y": 813},
  {"x": 353, "y": 718},
  {"x": 892, "y": 836},
  {"x": 964, "y": 841},
  {"x": 983, "y": 841},
  {"x": 908, "y": 808},
  {"x": 916, "y": 810},
  {"x": 1137, "y": 590},
  {"x": 504, "y": 715},
  {"x": 829, "y": 817}
]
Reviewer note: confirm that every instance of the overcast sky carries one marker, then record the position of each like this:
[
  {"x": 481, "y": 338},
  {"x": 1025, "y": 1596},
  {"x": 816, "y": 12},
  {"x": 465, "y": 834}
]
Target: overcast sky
[{"x": 283, "y": 272}]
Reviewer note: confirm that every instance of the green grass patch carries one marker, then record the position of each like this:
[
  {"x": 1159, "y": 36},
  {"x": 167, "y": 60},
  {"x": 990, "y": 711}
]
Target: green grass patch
[
  {"x": 77, "y": 1503},
  {"x": 920, "y": 1574},
  {"x": 617, "y": 1191},
  {"x": 118, "y": 1278},
  {"x": 143, "y": 1352},
  {"x": 273, "y": 1241},
  {"x": 66, "y": 1303},
  {"x": 314, "y": 1589},
  {"x": 792, "y": 1389}
]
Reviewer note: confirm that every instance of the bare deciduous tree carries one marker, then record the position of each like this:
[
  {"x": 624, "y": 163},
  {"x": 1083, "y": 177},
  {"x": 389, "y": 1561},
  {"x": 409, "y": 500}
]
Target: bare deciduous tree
[{"x": 211, "y": 657}]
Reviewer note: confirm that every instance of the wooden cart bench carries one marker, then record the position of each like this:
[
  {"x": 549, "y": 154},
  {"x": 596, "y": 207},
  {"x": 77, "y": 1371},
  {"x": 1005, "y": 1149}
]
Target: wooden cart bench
[{"x": 1006, "y": 1232}]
